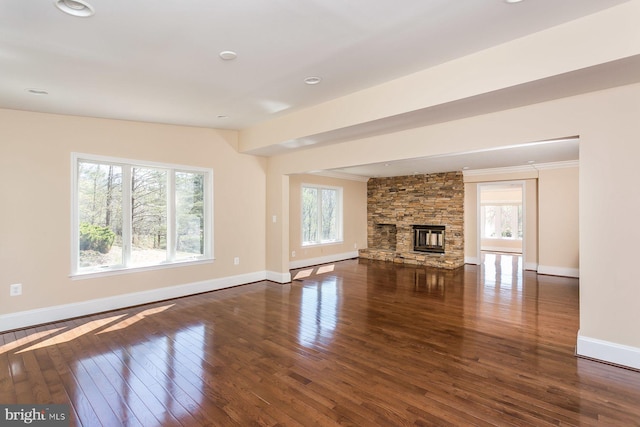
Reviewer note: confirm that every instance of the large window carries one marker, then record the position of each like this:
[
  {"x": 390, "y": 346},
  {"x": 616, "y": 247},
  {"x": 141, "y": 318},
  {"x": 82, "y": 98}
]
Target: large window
[
  {"x": 130, "y": 214},
  {"x": 321, "y": 215},
  {"x": 502, "y": 221}
]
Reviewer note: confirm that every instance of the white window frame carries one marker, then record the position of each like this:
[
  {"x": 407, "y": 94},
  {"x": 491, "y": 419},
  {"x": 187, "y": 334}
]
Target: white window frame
[
  {"x": 127, "y": 165},
  {"x": 339, "y": 215},
  {"x": 498, "y": 220}
]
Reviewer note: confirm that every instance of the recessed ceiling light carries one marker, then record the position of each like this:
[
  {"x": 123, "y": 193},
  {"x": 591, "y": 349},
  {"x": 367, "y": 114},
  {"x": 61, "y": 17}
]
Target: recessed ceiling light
[
  {"x": 531, "y": 162},
  {"x": 78, "y": 8},
  {"x": 312, "y": 80},
  {"x": 464, "y": 168},
  {"x": 512, "y": 1},
  {"x": 37, "y": 91},
  {"x": 228, "y": 55}
]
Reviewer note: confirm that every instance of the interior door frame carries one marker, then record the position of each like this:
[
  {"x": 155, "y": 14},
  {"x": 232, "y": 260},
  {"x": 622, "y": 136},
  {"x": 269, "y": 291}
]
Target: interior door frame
[{"x": 523, "y": 186}]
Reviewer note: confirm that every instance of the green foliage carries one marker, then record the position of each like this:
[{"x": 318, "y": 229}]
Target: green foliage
[{"x": 96, "y": 238}]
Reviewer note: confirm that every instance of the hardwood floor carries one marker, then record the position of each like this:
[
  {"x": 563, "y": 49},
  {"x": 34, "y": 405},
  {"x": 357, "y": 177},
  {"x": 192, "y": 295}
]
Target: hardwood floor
[{"x": 357, "y": 342}]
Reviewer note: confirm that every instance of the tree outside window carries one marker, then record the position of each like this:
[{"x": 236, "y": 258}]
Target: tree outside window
[
  {"x": 502, "y": 221},
  {"x": 321, "y": 215},
  {"x": 130, "y": 215}
]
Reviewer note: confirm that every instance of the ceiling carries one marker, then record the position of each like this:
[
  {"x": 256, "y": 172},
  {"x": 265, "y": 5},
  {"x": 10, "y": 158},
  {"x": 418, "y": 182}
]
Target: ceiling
[
  {"x": 524, "y": 155},
  {"x": 158, "y": 61}
]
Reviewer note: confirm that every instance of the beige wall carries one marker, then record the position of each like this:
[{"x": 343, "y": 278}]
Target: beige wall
[
  {"x": 501, "y": 245},
  {"x": 608, "y": 195},
  {"x": 531, "y": 244},
  {"x": 277, "y": 254},
  {"x": 354, "y": 199},
  {"x": 35, "y": 169},
  {"x": 471, "y": 231},
  {"x": 607, "y": 124},
  {"x": 558, "y": 221},
  {"x": 35, "y": 219}
]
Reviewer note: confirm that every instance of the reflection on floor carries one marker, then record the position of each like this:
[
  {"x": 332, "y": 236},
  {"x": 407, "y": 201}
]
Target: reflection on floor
[
  {"x": 357, "y": 342},
  {"x": 318, "y": 312},
  {"x": 501, "y": 269}
]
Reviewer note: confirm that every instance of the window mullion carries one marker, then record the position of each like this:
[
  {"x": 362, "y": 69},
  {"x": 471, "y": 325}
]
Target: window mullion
[
  {"x": 103, "y": 197},
  {"x": 339, "y": 215},
  {"x": 75, "y": 215},
  {"x": 208, "y": 221},
  {"x": 319, "y": 194},
  {"x": 126, "y": 214},
  {"x": 171, "y": 215}
]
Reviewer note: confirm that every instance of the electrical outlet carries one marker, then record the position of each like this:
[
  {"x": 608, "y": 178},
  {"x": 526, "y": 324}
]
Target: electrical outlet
[
  {"x": 15, "y": 289},
  {"x": 355, "y": 246},
  {"x": 236, "y": 261},
  {"x": 293, "y": 254}
]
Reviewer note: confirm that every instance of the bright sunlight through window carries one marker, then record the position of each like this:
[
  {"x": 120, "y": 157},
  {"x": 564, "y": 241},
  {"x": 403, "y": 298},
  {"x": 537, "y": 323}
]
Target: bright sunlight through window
[
  {"x": 321, "y": 215},
  {"x": 130, "y": 214}
]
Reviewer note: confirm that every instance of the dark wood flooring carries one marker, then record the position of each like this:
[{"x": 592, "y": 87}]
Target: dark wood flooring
[{"x": 358, "y": 342}]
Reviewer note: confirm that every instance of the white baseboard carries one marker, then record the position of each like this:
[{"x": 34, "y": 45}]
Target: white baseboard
[
  {"x": 527, "y": 265},
  {"x": 278, "y": 277},
  {"x": 322, "y": 260},
  {"x": 608, "y": 351},
  {"x": 502, "y": 249},
  {"x": 558, "y": 271},
  {"x": 39, "y": 316}
]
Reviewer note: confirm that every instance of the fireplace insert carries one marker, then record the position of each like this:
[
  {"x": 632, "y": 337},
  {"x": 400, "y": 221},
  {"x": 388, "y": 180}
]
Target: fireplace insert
[{"x": 428, "y": 238}]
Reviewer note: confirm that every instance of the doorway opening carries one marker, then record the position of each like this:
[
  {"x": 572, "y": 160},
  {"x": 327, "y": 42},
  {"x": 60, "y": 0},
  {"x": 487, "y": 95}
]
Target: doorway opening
[{"x": 501, "y": 217}]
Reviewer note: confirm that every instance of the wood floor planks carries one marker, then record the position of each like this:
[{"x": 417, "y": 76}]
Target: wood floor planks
[{"x": 365, "y": 343}]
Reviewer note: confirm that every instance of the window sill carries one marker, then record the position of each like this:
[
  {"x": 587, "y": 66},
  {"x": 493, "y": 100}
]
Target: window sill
[
  {"x": 312, "y": 245},
  {"x": 115, "y": 272}
]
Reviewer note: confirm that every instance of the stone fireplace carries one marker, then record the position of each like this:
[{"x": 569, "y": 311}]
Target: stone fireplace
[
  {"x": 416, "y": 219},
  {"x": 385, "y": 236}
]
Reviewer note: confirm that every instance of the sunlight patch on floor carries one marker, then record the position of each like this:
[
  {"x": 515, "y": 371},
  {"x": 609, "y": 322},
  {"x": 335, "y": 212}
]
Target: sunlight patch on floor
[
  {"x": 302, "y": 274},
  {"x": 26, "y": 340},
  {"x": 136, "y": 318},
  {"x": 73, "y": 333},
  {"x": 326, "y": 269}
]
